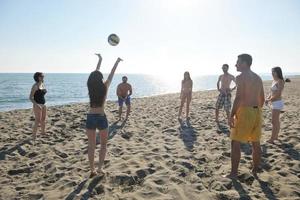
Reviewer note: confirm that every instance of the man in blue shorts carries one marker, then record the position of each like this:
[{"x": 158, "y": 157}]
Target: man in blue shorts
[{"x": 124, "y": 91}]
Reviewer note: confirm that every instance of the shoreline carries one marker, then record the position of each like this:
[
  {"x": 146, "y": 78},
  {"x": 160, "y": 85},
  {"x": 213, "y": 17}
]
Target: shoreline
[{"x": 112, "y": 100}]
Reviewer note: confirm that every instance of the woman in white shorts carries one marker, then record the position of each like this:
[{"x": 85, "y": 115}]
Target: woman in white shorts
[{"x": 276, "y": 101}]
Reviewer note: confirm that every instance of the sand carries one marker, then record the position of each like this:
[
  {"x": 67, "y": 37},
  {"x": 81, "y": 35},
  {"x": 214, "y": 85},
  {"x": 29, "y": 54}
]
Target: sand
[{"x": 151, "y": 156}]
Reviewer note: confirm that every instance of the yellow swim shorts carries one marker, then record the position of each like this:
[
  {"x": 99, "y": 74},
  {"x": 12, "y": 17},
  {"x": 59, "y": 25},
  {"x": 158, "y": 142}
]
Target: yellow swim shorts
[{"x": 247, "y": 123}]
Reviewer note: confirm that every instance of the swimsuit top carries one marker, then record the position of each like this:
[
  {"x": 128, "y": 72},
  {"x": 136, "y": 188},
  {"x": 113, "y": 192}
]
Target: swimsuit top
[
  {"x": 39, "y": 96},
  {"x": 274, "y": 86}
]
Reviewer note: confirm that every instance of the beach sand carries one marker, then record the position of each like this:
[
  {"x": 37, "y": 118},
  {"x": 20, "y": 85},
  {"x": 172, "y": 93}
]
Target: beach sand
[{"x": 151, "y": 156}]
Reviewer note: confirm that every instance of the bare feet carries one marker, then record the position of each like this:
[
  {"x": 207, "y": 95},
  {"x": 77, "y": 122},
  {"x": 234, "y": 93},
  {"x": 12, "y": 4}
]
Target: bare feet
[
  {"x": 93, "y": 173},
  {"x": 231, "y": 176},
  {"x": 271, "y": 141},
  {"x": 100, "y": 172},
  {"x": 254, "y": 172}
]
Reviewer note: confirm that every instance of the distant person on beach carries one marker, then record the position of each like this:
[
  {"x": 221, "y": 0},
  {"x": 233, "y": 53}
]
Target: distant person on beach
[
  {"x": 124, "y": 91},
  {"x": 186, "y": 94},
  {"x": 37, "y": 97},
  {"x": 246, "y": 114},
  {"x": 224, "y": 98},
  {"x": 96, "y": 117},
  {"x": 276, "y": 100}
]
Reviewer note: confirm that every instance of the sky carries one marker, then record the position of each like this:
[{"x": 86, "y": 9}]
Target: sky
[{"x": 159, "y": 37}]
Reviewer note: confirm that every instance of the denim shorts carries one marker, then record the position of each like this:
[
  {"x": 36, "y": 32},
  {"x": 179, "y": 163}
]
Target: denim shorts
[{"x": 94, "y": 121}]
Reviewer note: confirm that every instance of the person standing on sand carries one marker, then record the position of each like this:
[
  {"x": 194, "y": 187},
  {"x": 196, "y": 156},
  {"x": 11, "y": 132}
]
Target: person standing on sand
[
  {"x": 124, "y": 91},
  {"x": 246, "y": 114},
  {"x": 277, "y": 104},
  {"x": 186, "y": 94},
  {"x": 224, "y": 98},
  {"x": 96, "y": 117},
  {"x": 37, "y": 97}
]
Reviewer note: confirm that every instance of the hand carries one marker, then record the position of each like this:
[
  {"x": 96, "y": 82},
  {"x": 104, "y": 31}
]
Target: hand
[
  {"x": 266, "y": 102},
  {"x": 40, "y": 107},
  {"x": 231, "y": 122},
  {"x": 99, "y": 55},
  {"x": 119, "y": 59}
]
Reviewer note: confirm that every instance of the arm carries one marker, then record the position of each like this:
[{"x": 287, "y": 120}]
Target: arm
[
  {"x": 262, "y": 95},
  {"x": 111, "y": 75},
  {"x": 237, "y": 100},
  {"x": 119, "y": 92},
  {"x": 31, "y": 96},
  {"x": 130, "y": 90},
  {"x": 218, "y": 83},
  {"x": 233, "y": 79},
  {"x": 181, "y": 89},
  {"x": 99, "y": 61}
]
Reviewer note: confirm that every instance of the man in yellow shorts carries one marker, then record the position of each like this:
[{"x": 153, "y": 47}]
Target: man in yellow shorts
[{"x": 246, "y": 118}]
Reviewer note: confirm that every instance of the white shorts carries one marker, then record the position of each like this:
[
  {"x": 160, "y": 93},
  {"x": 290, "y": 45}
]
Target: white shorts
[{"x": 277, "y": 105}]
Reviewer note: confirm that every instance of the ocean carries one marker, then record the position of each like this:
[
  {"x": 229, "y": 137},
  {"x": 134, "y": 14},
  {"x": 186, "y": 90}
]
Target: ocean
[{"x": 71, "y": 88}]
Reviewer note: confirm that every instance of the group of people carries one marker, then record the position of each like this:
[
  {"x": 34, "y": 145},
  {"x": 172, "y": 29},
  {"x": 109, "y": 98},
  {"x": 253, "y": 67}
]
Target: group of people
[{"x": 244, "y": 119}]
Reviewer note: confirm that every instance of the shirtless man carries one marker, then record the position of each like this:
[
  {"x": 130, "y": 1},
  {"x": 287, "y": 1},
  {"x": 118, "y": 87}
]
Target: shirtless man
[
  {"x": 124, "y": 91},
  {"x": 246, "y": 114},
  {"x": 224, "y": 98}
]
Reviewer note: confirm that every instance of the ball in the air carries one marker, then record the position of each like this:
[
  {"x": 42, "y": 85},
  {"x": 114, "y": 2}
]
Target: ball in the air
[{"x": 113, "y": 39}]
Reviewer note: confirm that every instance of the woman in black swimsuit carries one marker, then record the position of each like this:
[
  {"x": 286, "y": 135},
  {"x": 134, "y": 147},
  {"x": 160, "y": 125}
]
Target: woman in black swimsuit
[{"x": 37, "y": 97}]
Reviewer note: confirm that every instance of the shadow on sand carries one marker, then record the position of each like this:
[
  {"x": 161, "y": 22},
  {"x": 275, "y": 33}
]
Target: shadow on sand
[
  {"x": 4, "y": 151},
  {"x": 93, "y": 183},
  {"x": 187, "y": 134}
]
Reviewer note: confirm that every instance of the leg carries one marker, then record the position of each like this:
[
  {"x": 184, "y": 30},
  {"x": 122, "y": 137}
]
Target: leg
[
  {"x": 275, "y": 125},
  {"x": 256, "y": 156},
  {"x": 91, "y": 133},
  {"x": 120, "y": 112},
  {"x": 235, "y": 158},
  {"x": 128, "y": 110},
  {"x": 103, "y": 149},
  {"x": 188, "y": 101},
  {"x": 219, "y": 105},
  {"x": 228, "y": 115},
  {"x": 37, "y": 114},
  {"x": 43, "y": 119},
  {"x": 217, "y": 116},
  {"x": 181, "y": 106}
]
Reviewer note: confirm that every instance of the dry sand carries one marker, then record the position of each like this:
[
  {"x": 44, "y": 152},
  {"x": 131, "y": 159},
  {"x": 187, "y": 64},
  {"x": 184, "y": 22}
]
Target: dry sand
[{"x": 151, "y": 156}]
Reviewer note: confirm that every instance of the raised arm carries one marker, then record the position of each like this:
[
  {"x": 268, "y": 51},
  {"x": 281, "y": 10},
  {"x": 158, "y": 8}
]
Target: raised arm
[
  {"x": 99, "y": 61},
  {"x": 111, "y": 75}
]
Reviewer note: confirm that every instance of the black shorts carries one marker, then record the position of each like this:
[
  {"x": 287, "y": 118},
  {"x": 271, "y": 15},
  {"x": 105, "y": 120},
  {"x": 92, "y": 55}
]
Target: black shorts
[{"x": 98, "y": 121}]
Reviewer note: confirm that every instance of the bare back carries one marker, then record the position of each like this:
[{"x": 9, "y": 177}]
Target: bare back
[
  {"x": 100, "y": 110},
  {"x": 250, "y": 89}
]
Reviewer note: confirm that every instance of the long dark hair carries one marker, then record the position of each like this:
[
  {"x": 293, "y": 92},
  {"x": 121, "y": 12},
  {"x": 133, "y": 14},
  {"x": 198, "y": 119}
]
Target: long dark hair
[
  {"x": 278, "y": 72},
  {"x": 97, "y": 89},
  {"x": 36, "y": 76},
  {"x": 188, "y": 78}
]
